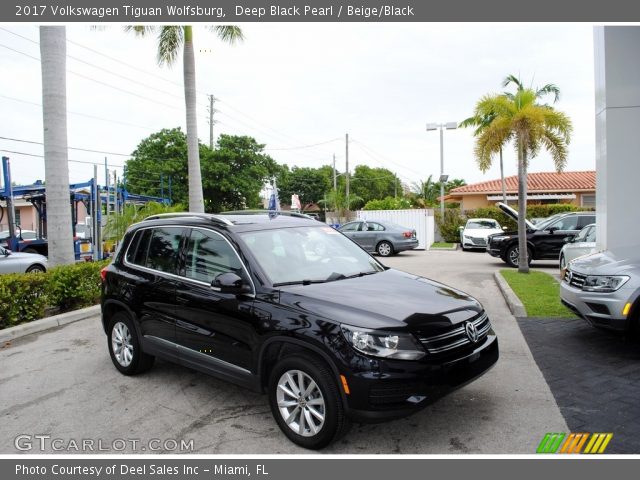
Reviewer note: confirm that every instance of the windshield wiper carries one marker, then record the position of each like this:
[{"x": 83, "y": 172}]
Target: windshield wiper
[
  {"x": 341, "y": 276},
  {"x": 298, "y": 282}
]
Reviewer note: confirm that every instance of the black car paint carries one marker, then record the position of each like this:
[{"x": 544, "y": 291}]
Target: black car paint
[
  {"x": 544, "y": 244},
  {"x": 233, "y": 336}
]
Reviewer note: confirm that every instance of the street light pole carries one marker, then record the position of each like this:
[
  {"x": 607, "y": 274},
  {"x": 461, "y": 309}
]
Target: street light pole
[{"x": 443, "y": 177}]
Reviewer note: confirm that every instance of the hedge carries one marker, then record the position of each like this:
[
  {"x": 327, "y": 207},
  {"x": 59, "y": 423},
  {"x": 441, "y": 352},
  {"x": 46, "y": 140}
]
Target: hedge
[
  {"x": 454, "y": 218},
  {"x": 27, "y": 296}
]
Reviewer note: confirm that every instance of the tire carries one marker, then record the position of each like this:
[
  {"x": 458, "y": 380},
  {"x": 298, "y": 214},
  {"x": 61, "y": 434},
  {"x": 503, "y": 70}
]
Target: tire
[
  {"x": 36, "y": 268},
  {"x": 563, "y": 263},
  {"x": 511, "y": 256},
  {"x": 384, "y": 249},
  {"x": 128, "y": 356},
  {"x": 286, "y": 403}
]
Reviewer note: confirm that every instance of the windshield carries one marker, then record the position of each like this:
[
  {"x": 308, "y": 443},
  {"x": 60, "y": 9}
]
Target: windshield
[
  {"x": 482, "y": 224},
  {"x": 308, "y": 255}
]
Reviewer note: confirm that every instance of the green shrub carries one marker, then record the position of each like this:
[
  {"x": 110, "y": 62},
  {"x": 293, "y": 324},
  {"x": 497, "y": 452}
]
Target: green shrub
[
  {"x": 450, "y": 226},
  {"x": 388, "y": 203},
  {"x": 23, "y": 297},
  {"x": 75, "y": 286}
]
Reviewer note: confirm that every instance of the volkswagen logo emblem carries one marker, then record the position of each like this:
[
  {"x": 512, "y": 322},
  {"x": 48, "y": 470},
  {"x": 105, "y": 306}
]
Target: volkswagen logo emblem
[{"x": 471, "y": 332}]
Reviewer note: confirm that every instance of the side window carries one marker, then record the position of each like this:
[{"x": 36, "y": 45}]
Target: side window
[
  {"x": 209, "y": 255},
  {"x": 586, "y": 220},
  {"x": 570, "y": 222},
  {"x": 163, "y": 249},
  {"x": 375, "y": 227},
  {"x": 591, "y": 236},
  {"x": 137, "y": 253},
  {"x": 351, "y": 227}
]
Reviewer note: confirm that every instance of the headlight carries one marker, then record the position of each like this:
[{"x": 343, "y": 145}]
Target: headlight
[
  {"x": 500, "y": 238},
  {"x": 399, "y": 346},
  {"x": 468, "y": 237},
  {"x": 604, "y": 284}
]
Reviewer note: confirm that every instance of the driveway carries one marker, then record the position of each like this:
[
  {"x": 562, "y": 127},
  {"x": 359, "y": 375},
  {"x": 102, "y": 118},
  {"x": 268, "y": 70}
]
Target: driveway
[{"x": 62, "y": 383}]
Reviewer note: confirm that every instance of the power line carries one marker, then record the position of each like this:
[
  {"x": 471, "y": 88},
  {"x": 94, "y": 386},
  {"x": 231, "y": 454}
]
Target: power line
[
  {"x": 70, "y": 160},
  {"x": 70, "y": 148},
  {"x": 370, "y": 152},
  {"x": 305, "y": 146}
]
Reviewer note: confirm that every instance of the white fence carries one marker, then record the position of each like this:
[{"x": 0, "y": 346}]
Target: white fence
[{"x": 421, "y": 220}]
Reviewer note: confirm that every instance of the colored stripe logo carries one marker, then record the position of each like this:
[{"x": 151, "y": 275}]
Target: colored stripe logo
[{"x": 574, "y": 443}]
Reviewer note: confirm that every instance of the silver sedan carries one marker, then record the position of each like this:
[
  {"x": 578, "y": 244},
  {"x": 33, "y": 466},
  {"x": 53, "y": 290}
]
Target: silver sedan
[
  {"x": 381, "y": 237},
  {"x": 11, "y": 262}
]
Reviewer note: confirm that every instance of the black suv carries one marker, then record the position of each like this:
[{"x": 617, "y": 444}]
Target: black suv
[
  {"x": 544, "y": 240},
  {"x": 291, "y": 307}
]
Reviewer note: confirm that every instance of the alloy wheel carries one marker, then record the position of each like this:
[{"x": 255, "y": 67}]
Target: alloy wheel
[
  {"x": 301, "y": 403},
  {"x": 122, "y": 344}
]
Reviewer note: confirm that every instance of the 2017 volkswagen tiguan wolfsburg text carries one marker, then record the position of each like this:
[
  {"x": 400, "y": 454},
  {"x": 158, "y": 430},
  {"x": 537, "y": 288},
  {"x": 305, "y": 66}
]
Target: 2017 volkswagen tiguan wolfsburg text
[{"x": 290, "y": 307}]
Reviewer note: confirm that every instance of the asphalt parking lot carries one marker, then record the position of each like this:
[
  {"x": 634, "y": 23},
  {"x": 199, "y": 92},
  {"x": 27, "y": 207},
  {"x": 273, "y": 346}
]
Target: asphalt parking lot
[{"x": 62, "y": 383}]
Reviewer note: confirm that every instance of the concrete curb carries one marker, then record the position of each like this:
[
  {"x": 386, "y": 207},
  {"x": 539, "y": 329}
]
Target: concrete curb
[
  {"x": 455, "y": 247},
  {"x": 43, "y": 324},
  {"x": 514, "y": 303}
]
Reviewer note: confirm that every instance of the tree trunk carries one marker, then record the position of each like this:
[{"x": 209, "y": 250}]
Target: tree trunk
[
  {"x": 504, "y": 190},
  {"x": 523, "y": 261},
  {"x": 196, "y": 200},
  {"x": 53, "y": 51}
]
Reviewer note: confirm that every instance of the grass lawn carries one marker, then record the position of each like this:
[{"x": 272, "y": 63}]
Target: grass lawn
[
  {"x": 539, "y": 292},
  {"x": 442, "y": 245}
]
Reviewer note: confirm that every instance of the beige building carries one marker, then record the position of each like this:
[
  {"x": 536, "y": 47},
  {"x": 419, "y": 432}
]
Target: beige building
[
  {"x": 27, "y": 215},
  {"x": 577, "y": 188}
]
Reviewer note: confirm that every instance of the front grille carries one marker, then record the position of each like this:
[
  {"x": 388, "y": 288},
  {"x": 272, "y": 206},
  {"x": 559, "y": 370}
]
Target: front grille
[
  {"x": 456, "y": 337},
  {"x": 575, "y": 279},
  {"x": 481, "y": 242}
]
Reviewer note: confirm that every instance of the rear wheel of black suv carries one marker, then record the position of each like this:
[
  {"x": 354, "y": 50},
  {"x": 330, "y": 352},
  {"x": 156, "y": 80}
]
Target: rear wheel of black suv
[
  {"x": 124, "y": 346},
  {"x": 512, "y": 256},
  {"x": 305, "y": 401}
]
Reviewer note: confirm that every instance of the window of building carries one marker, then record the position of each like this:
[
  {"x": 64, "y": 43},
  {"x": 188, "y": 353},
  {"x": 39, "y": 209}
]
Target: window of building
[{"x": 588, "y": 200}]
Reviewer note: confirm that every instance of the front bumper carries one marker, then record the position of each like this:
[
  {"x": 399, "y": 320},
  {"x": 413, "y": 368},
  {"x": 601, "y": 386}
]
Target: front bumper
[
  {"x": 396, "y": 389},
  {"x": 599, "y": 309}
]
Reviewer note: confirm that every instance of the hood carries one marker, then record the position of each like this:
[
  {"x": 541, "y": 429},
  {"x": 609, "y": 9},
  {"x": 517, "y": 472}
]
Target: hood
[
  {"x": 623, "y": 261},
  {"x": 389, "y": 300},
  {"x": 513, "y": 214}
]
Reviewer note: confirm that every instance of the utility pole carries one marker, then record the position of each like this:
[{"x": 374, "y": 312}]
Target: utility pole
[
  {"x": 212, "y": 100},
  {"x": 106, "y": 184},
  {"x": 115, "y": 192},
  {"x": 347, "y": 172}
]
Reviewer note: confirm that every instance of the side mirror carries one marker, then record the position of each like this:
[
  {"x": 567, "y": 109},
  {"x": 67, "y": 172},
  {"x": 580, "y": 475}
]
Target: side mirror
[
  {"x": 230, "y": 283},
  {"x": 568, "y": 239},
  {"x": 461, "y": 228},
  {"x": 504, "y": 229},
  {"x": 552, "y": 230}
]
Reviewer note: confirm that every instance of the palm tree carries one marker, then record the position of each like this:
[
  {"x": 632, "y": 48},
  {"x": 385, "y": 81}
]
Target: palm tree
[
  {"x": 532, "y": 126},
  {"x": 53, "y": 52},
  {"x": 170, "y": 39}
]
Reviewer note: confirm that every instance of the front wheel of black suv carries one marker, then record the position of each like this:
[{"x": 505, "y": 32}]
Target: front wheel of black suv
[
  {"x": 512, "y": 256},
  {"x": 305, "y": 401},
  {"x": 124, "y": 346}
]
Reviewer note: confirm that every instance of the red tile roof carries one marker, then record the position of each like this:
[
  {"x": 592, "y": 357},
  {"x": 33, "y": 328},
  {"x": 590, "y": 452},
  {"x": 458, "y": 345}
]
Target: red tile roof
[{"x": 536, "y": 182}]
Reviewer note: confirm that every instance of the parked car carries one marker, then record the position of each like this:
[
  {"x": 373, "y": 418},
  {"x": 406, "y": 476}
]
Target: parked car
[
  {"x": 289, "y": 307},
  {"x": 476, "y": 231},
  {"x": 604, "y": 289},
  {"x": 17, "y": 262},
  {"x": 544, "y": 240},
  {"x": 583, "y": 243},
  {"x": 26, "y": 235},
  {"x": 381, "y": 237}
]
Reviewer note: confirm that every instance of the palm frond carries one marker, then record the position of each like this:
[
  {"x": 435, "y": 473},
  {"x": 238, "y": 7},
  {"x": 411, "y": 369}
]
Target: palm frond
[
  {"x": 228, "y": 33},
  {"x": 139, "y": 30},
  {"x": 548, "y": 89},
  {"x": 556, "y": 146},
  {"x": 513, "y": 79},
  {"x": 170, "y": 40}
]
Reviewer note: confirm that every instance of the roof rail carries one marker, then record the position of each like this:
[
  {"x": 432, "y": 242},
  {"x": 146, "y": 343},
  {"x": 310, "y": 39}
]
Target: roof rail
[
  {"x": 269, "y": 212},
  {"x": 205, "y": 216}
]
